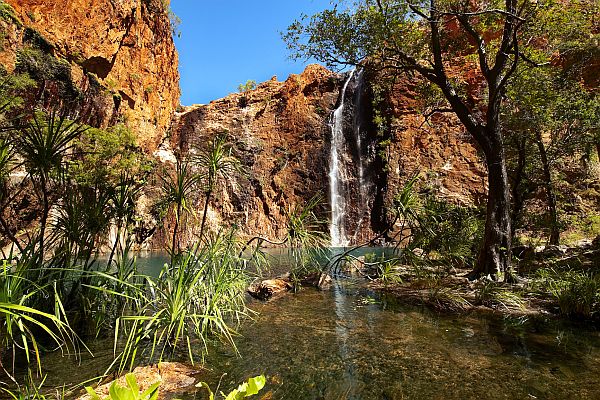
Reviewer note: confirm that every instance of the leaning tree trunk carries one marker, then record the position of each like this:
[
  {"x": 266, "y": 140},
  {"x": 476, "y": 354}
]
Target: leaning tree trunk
[{"x": 495, "y": 254}]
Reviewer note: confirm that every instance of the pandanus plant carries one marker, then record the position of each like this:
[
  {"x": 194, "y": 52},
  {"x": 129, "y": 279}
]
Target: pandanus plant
[
  {"x": 215, "y": 163},
  {"x": 177, "y": 188},
  {"x": 43, "y": 142}
]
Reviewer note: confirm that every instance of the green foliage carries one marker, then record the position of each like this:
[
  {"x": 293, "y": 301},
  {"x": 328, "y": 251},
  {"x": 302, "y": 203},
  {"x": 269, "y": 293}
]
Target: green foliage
[
  {"x": 12, "y": 87},
  {"x": 215, "y": 163},
  {"x": 42, "y": 67},
  {"x": 387, "y": 272},
  {"x": 576, "y": 292},
  {"x": 129, "y": 392},
  {"x": 494, "y": 294},
  {"x": 195, "y": 297},
  {"x": 305, "y": 238},
  {"x": 22, "y": 322},
  {"x": 28, "y": 391},
  {"x": 450, "y": 232},
  {"x": 246, "y": 87},
  {"x": 246, "y": 389},
  {"x": 444, "y": 298},
  {"x": 44, "y": 142},
  {"x": 8, "y": 14},
  {"x": 104, "y": 155}
]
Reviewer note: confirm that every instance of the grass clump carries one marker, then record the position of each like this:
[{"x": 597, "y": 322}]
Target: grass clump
[
  {"x": 200, "y": 294},
  {"x": 577, "y": 293},
  {"x": 493, "y": 294}
]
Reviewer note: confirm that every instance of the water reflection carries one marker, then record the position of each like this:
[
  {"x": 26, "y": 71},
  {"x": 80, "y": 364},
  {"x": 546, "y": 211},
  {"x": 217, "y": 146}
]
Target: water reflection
[{"x": 350, "y": 343}]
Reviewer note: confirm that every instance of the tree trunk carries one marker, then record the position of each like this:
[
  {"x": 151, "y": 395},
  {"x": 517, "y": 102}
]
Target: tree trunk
[
  {"x": 495, "y": 254},
  {"x": 44, "y": 219},
  {"x": 517, "y": 193},
  {"x": 174, "y": 241},
  {"x": 550, "y": 195}
]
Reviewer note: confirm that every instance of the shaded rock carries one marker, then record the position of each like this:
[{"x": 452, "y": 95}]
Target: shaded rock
[
  {"x": 316, "y": 279},
  {"x": 551, "y": 251},
  {"x": 596, "y": 242},
  {"x": 268, "y": 288},
  {"x": 523, "y": 252}
]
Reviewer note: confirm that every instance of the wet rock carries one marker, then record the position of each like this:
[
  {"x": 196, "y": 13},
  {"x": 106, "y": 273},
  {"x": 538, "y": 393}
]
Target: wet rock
[
  {"x": 268, "y": 288},
  {"x": 174, "y": 378},
  {"x": 316, "y": 279}
]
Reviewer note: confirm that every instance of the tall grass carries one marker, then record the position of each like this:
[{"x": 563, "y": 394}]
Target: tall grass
[
  {"x": 577, "y": 293},
  {"x": 199, "y": 295},
  {"x": 307, "y": 242},
  {"x": 22, "y": 323}
]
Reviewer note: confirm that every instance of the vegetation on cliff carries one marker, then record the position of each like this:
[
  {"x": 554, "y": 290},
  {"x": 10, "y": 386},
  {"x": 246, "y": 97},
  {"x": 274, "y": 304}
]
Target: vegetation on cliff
[
  {"x": 498, "y": 46},
  {"x": 513, "y": 74}
]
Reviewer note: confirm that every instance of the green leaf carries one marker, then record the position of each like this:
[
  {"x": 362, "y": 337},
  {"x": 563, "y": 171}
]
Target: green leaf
[
  {"x": 151, "y": 393},
  {"x": 255, "y": 385},
  {"x": 92, "y": 393},
  {"x": 132, "y": 382}
]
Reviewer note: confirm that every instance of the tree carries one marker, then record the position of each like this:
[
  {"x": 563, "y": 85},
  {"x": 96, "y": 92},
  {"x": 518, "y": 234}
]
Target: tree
[
  {"x": 433, "y": 39},
  {"x": 550, "y": 118},
  {"x": 44, "y": 143},
  {"x": 215, "y": 163},
  {"x": 177, "y": 188},
  {"x": 246, "y": 87}
]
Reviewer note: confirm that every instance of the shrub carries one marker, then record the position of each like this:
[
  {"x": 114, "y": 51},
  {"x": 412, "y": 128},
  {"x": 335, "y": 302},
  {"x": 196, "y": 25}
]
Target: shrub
[
  {"x": 452, "y": 233},
  {"x": 577, "y": 293},
  {"x": 246, "y": 87}
]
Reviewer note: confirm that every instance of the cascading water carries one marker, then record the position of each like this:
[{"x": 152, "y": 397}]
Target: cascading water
[
  {"x": 351, "y": 164},
  {"x": 337, "y": 229}
]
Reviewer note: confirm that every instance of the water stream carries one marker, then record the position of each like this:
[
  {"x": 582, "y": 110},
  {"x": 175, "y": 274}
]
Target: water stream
[{"x": 351, "y": 343}]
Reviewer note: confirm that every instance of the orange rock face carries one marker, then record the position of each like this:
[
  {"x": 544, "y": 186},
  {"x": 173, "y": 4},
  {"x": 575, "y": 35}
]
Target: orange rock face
[
  {"x": 279, "y": 133},
  {"x": 122, "y": 49}
]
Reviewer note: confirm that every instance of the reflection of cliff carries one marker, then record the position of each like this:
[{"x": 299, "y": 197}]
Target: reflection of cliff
[{"x": 108, "y": 60}]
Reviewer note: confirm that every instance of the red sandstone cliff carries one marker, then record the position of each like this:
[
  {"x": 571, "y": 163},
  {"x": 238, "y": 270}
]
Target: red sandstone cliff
[
  {"x": 281, "y": 134},
  {"x": 120, "y": 53}
]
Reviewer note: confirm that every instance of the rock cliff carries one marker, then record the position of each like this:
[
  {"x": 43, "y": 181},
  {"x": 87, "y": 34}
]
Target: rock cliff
[
  {"x": 281, "y": 132},
  {"x": 107, "y": 60},
  {"x": 110, "y": 61}
]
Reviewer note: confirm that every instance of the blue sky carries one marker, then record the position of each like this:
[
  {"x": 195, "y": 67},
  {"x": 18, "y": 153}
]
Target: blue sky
[{"x": 226, "y": 42}]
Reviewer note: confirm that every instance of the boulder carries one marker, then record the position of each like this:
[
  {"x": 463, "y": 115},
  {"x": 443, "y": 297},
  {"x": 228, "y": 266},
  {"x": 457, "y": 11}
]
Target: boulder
[
  {"x": 174, "y": 378},
  {"x": 266, "y": 289}
]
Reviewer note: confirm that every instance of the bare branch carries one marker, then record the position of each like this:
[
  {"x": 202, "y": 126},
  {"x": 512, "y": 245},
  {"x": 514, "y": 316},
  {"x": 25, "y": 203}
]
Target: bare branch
[
  {"x": 481, "y": 50},
  {"x": 429, "y": 114}
]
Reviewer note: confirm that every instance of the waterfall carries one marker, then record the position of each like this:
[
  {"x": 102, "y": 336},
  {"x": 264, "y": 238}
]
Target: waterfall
[
  {"x": 337, "y": 229},
  {"x": 351, "y": 164}
]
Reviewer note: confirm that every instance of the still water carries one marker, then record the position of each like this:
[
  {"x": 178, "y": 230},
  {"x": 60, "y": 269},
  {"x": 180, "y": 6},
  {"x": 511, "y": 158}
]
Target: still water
[{"x": 350, "y": 343}]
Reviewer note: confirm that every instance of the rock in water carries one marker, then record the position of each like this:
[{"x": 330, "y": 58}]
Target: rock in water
[{"x": 268, "y": 288}]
